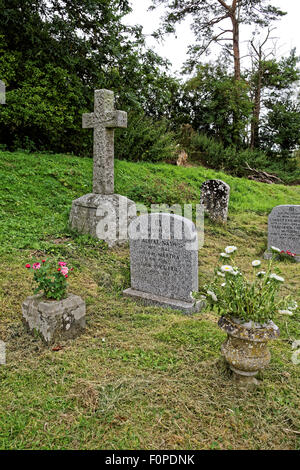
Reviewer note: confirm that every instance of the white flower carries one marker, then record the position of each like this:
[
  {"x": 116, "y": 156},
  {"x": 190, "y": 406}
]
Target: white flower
[
  {"x": 285, "y": 312},
  {"x": 220, "y": 274},
  {"x": 256, "y": 263},
  {"x": 273, "y": 248},
  {"x": 103, "y": 340},
  {"x": 277, "y": 278},
  {"x": 261, "y": 274},
  {"x": 293, "y": 305},
  {"x": 296, "y": 344},
  {"x": 226, "y": 268},
  {"x": 212, "y": 295},
  {"x": 234, "y": 273},
  {"x": 224, "y": 255},
  {"x": 224, "y": 284},
  {"x": 230, "y": 249}
]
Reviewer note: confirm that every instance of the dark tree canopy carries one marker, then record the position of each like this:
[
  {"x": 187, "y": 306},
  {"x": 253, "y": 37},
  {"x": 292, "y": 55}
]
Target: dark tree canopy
[{"x": 54, "y": 53}]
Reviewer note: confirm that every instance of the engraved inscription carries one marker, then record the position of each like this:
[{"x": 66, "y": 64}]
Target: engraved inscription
[
  {"x": 164, "y": 266},
  {"x": 284, "y": 228}
]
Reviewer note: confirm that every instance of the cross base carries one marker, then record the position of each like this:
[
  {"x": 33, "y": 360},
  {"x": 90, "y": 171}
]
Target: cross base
[{"x": 104, "y": 217}]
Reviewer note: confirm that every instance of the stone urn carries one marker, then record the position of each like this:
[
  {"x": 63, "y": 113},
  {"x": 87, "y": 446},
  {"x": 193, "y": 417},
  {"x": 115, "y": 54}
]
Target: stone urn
[
  {"x": 246, "y": 347},
  {"x": 54, "y": 320}
]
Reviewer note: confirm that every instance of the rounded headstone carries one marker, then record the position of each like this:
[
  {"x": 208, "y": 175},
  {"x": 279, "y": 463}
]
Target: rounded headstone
[{"x": 215, "y": 199}]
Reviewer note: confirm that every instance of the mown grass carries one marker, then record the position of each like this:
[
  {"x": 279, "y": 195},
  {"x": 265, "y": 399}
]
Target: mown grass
[{"x": 139, "y": 377}]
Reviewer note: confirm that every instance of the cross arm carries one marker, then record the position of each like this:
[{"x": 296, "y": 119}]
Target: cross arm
[
  {"x": 88, "y": 121},
  {"x": 116, "y": 119}
]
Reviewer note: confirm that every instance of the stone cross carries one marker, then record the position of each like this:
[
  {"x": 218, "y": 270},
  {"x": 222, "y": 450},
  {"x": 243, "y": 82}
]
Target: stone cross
[{"x": 104, "y": 120}]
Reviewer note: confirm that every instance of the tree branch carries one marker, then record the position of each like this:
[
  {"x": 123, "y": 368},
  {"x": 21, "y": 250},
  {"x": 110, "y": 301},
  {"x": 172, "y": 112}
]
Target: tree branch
[{"x": 225, "y": 5}]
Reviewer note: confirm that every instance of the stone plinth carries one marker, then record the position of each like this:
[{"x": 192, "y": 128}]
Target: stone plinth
[
  {"x": 105, "y": 217},
  {"x": 54, "y": 320}
]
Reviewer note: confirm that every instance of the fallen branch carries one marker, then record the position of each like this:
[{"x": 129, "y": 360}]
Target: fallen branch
[{"x": 262, "y": 176}]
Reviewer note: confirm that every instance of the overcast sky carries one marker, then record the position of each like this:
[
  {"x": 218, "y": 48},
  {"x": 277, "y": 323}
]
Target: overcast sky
[{"x": 287, "y": 30}]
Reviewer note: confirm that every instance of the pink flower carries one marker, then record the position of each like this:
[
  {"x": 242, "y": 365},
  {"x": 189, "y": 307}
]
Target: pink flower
[
  {"x": 66, "y": 276},
  {"x": 36, "y": 266},
  {"x": 61, "y": 263},
  {"x": 64, "y": 270}
]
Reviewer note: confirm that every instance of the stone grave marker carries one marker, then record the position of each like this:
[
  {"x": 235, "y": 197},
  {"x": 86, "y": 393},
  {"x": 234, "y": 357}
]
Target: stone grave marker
[
  {"x": 2, "y": 353},
  {"x": 164, "y": 261},
  {"x": 215, "y": 199},
  {"x": 103, "y": 214},
  {"x": 284, "y": 230}
]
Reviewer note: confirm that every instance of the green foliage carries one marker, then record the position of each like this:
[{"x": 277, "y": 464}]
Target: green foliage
[
  {"x": 273, "y": 89},
  {"x": 43, "y": 112},
  {"x": 213, "y": 154},
  {"x": 279, "y": 75},
  {"x": 216, "y": 104},
  {"x": 281, "y": 128},
  {"x": 54, "y": 54},
  {"x": 145, "y": 140}
]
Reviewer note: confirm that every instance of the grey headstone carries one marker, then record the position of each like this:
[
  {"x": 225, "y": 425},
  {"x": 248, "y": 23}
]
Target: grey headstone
[
  {"x": 215, "y": 199},
  {"x": 104, "y": 120},
  {"x": 284, "y": 229},
  {"x": 164, "y": 261}
]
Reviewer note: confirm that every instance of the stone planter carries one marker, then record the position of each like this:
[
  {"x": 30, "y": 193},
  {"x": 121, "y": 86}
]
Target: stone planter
[
  {"x": 54, "y": 320},
  {"x": 246, "y": 348}
]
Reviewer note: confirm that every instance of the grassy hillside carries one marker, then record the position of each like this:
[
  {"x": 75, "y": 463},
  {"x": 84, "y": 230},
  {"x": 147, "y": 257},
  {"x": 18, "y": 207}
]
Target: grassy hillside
[
  {"x": 139, "y": 377},
  {"x": 36, "y": 192}
]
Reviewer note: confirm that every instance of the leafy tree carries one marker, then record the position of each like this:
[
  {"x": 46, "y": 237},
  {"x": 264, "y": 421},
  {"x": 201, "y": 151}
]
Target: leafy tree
[
  {"x": 269, "y": 78},
  {"x": 215, "y": 104},
  {"x": 54, "y": 53},
  {"x": 217, "y": 21},
  {"x": 281, "y": 127}
]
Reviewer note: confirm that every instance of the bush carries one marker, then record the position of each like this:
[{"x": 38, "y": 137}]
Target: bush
[
  {"x": 145, "y": 140},
  {"x": 44, "y": 112},
  {"x": 213, "y": 154}
]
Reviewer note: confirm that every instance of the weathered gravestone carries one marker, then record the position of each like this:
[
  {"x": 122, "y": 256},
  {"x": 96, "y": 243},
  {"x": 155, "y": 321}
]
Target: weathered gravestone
[
  {"x": 103, "y": 214},
  {"x": 215, "y": 199},
  {"x": 164, "y": 261},
  {"x": 284, "y": 230}
]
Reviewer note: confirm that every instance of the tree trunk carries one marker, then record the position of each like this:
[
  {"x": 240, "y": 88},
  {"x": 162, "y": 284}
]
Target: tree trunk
[
  {"x": 236, "y": 46},
  {"x": 237, "y": 66},
  {"x": 256, "y": 112}
]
